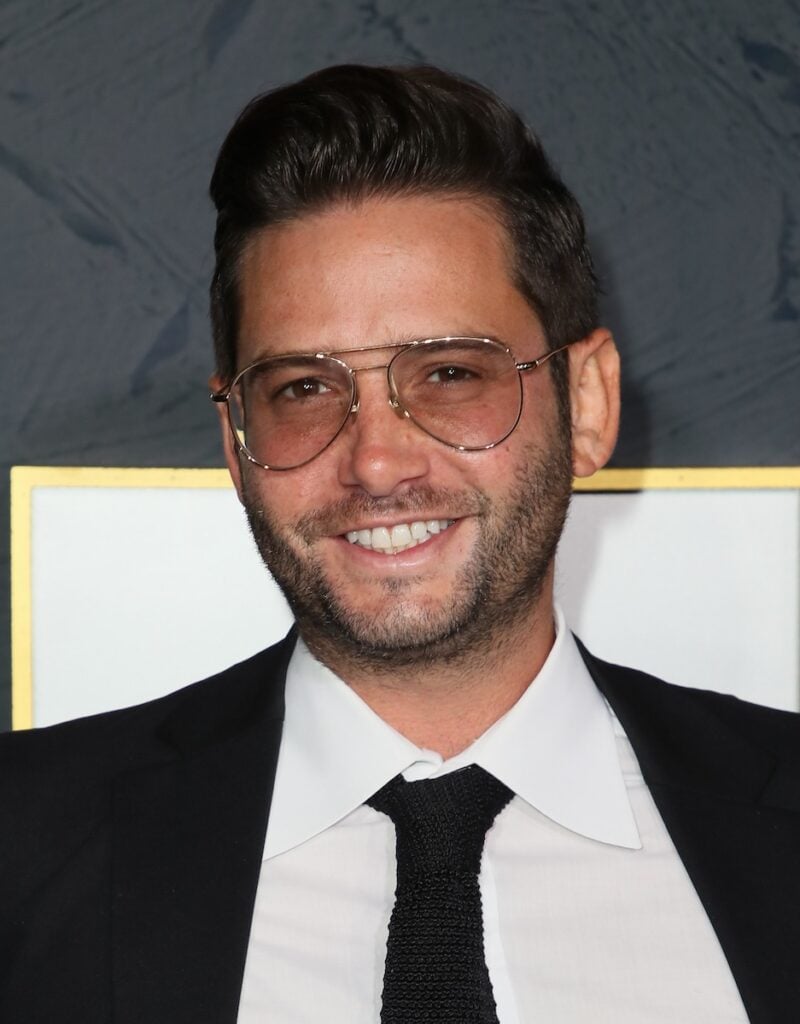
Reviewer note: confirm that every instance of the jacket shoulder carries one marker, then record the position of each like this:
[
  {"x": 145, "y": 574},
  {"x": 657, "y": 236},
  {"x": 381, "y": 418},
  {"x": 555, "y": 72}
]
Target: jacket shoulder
[
  {"x": 635, "y": 694},
  {"x": 196, "y": 713},
  {"x": 59, "y": 785}
]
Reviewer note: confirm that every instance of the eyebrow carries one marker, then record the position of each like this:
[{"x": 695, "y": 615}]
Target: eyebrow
[{"x": 398, "y": 342}]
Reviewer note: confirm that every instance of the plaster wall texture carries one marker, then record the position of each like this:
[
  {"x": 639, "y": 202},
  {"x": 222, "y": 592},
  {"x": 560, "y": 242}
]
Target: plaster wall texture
[{"x": 677, "y": 125}]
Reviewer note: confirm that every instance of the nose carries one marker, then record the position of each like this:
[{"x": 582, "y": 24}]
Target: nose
[{"x": 381, "y": 450}]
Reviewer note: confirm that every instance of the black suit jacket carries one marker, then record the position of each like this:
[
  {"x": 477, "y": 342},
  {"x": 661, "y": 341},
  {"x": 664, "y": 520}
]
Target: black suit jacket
[{"x": 131, "y": 842}]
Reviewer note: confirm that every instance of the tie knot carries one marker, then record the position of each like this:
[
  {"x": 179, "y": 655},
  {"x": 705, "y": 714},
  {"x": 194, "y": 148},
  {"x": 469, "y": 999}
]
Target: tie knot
[{"x": 441, "y": 823}]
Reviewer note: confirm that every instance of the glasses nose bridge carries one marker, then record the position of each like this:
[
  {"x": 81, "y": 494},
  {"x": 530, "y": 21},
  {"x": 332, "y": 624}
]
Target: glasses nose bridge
[{"x": 394, "y": 400}]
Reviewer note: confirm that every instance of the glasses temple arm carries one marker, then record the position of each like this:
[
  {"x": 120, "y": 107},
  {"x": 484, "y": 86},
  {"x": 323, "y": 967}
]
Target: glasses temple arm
[{"x": 533, "y": 364}]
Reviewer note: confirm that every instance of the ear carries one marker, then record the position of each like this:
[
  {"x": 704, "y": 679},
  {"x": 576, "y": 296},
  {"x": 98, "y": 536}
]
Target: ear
[
  {"x": 594, "y": 400},
  {"x": 229, "y": 448}
]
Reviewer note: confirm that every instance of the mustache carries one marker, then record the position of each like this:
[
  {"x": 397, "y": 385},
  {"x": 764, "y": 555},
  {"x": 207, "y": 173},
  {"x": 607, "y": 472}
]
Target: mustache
[{"x": 415, "y": 503}]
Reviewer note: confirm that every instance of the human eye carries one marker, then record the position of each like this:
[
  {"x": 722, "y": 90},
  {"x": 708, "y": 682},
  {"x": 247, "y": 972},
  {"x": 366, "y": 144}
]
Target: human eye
[
  {"x": 302, "y": 388},
  {"x": 292, "y": 382},
  {"x": 451, "y": 373}
]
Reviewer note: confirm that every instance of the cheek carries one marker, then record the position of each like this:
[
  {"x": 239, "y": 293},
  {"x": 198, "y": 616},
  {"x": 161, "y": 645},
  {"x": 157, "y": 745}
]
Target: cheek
[
  {"x": 285, "y": 497},
  {"x": 491, "y": 470}
]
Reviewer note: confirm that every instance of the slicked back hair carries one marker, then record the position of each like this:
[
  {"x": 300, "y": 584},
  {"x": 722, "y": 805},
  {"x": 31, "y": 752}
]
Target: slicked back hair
[{"x": 353, "y": 132}]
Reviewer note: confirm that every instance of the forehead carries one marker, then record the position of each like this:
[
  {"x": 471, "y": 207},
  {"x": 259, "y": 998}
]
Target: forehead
[{"x": 387, "y": 269}]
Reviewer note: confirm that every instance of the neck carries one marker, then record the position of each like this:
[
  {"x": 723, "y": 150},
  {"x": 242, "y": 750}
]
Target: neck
[{"x": 446, "y": 706}]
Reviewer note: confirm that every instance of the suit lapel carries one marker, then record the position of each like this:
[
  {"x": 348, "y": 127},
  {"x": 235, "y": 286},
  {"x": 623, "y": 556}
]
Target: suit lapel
[
  {"x": 732, "y": 809},
  {"x": 188, "y": 840}
]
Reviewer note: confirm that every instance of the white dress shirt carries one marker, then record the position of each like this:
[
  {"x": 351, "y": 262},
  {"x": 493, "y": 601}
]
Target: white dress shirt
[{"x": 588, "y": 911}]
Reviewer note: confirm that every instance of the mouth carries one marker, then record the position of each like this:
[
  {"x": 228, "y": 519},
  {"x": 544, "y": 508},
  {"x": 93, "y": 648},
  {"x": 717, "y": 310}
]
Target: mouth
[{"x": 391, "y": 540}]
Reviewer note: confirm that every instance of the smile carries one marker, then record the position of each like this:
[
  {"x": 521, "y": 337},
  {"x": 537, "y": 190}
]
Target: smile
[{"x": 392, "y": 540}]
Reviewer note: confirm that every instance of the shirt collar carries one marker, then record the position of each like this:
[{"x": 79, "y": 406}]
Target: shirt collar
[{"x": 556, "y": 749}]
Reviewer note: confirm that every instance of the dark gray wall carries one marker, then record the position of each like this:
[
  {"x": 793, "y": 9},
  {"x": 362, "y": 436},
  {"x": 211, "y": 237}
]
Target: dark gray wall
[{"x": 677, "y": 124}]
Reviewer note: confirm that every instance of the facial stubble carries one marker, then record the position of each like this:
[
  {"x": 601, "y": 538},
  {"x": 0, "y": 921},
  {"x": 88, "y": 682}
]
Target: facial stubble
[{"x": 494, "y": 593}]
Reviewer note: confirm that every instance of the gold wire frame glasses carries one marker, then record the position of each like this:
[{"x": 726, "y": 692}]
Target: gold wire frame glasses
[{"x": 286, "y": 409}]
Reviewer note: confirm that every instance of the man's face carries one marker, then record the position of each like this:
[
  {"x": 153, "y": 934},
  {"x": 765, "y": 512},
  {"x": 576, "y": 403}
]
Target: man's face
[{"x": 383, "y": 271}]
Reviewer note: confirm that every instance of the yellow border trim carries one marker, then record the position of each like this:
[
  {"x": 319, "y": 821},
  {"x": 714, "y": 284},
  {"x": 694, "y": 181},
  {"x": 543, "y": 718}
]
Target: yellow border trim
[
  {"x": 694, "y": 478},
  {"x": 114, "y": 476},
  {"x": 25, "y": 478},
  {"x": 21, "y": 612},
  {"x": 701, "y": 479}
]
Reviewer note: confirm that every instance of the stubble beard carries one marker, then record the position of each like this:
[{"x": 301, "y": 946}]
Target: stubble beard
[{"x": 495, "y": 592}]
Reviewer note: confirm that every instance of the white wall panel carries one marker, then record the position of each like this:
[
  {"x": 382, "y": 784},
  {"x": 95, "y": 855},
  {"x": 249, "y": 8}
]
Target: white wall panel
[
  {"x": 137, "y": 591},
  {"x": 699, "y": 587}
]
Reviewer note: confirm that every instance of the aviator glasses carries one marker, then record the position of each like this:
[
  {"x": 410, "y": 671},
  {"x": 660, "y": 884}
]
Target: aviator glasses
[{"x": 285, "y": 410}]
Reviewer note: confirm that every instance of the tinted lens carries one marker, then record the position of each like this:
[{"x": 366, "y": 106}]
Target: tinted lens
[
  {"x": 466, "y": 392},
  {"x": 287, "y": 410}
]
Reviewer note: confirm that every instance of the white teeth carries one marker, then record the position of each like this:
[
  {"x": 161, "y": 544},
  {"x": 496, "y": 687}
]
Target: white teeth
[
  {"x": 400, "y": 537},
  {"x": 381, "y": 538}
]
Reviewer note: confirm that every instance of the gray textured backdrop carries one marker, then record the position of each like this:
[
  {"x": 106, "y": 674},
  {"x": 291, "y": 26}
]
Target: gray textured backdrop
[{"x": 677, "y": 125}]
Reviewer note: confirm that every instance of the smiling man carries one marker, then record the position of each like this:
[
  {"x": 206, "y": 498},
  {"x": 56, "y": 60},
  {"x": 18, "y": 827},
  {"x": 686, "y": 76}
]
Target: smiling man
[
  {"x": 430, "y": 626},
  {"x": 428, "y": 803}
]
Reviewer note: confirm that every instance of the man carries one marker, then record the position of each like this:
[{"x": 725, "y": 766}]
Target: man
[{"x": 409, "y": 373}]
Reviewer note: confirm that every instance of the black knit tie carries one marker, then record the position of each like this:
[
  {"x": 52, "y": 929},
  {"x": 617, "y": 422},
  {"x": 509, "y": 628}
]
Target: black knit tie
[{"x": 435, "y": 966}]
